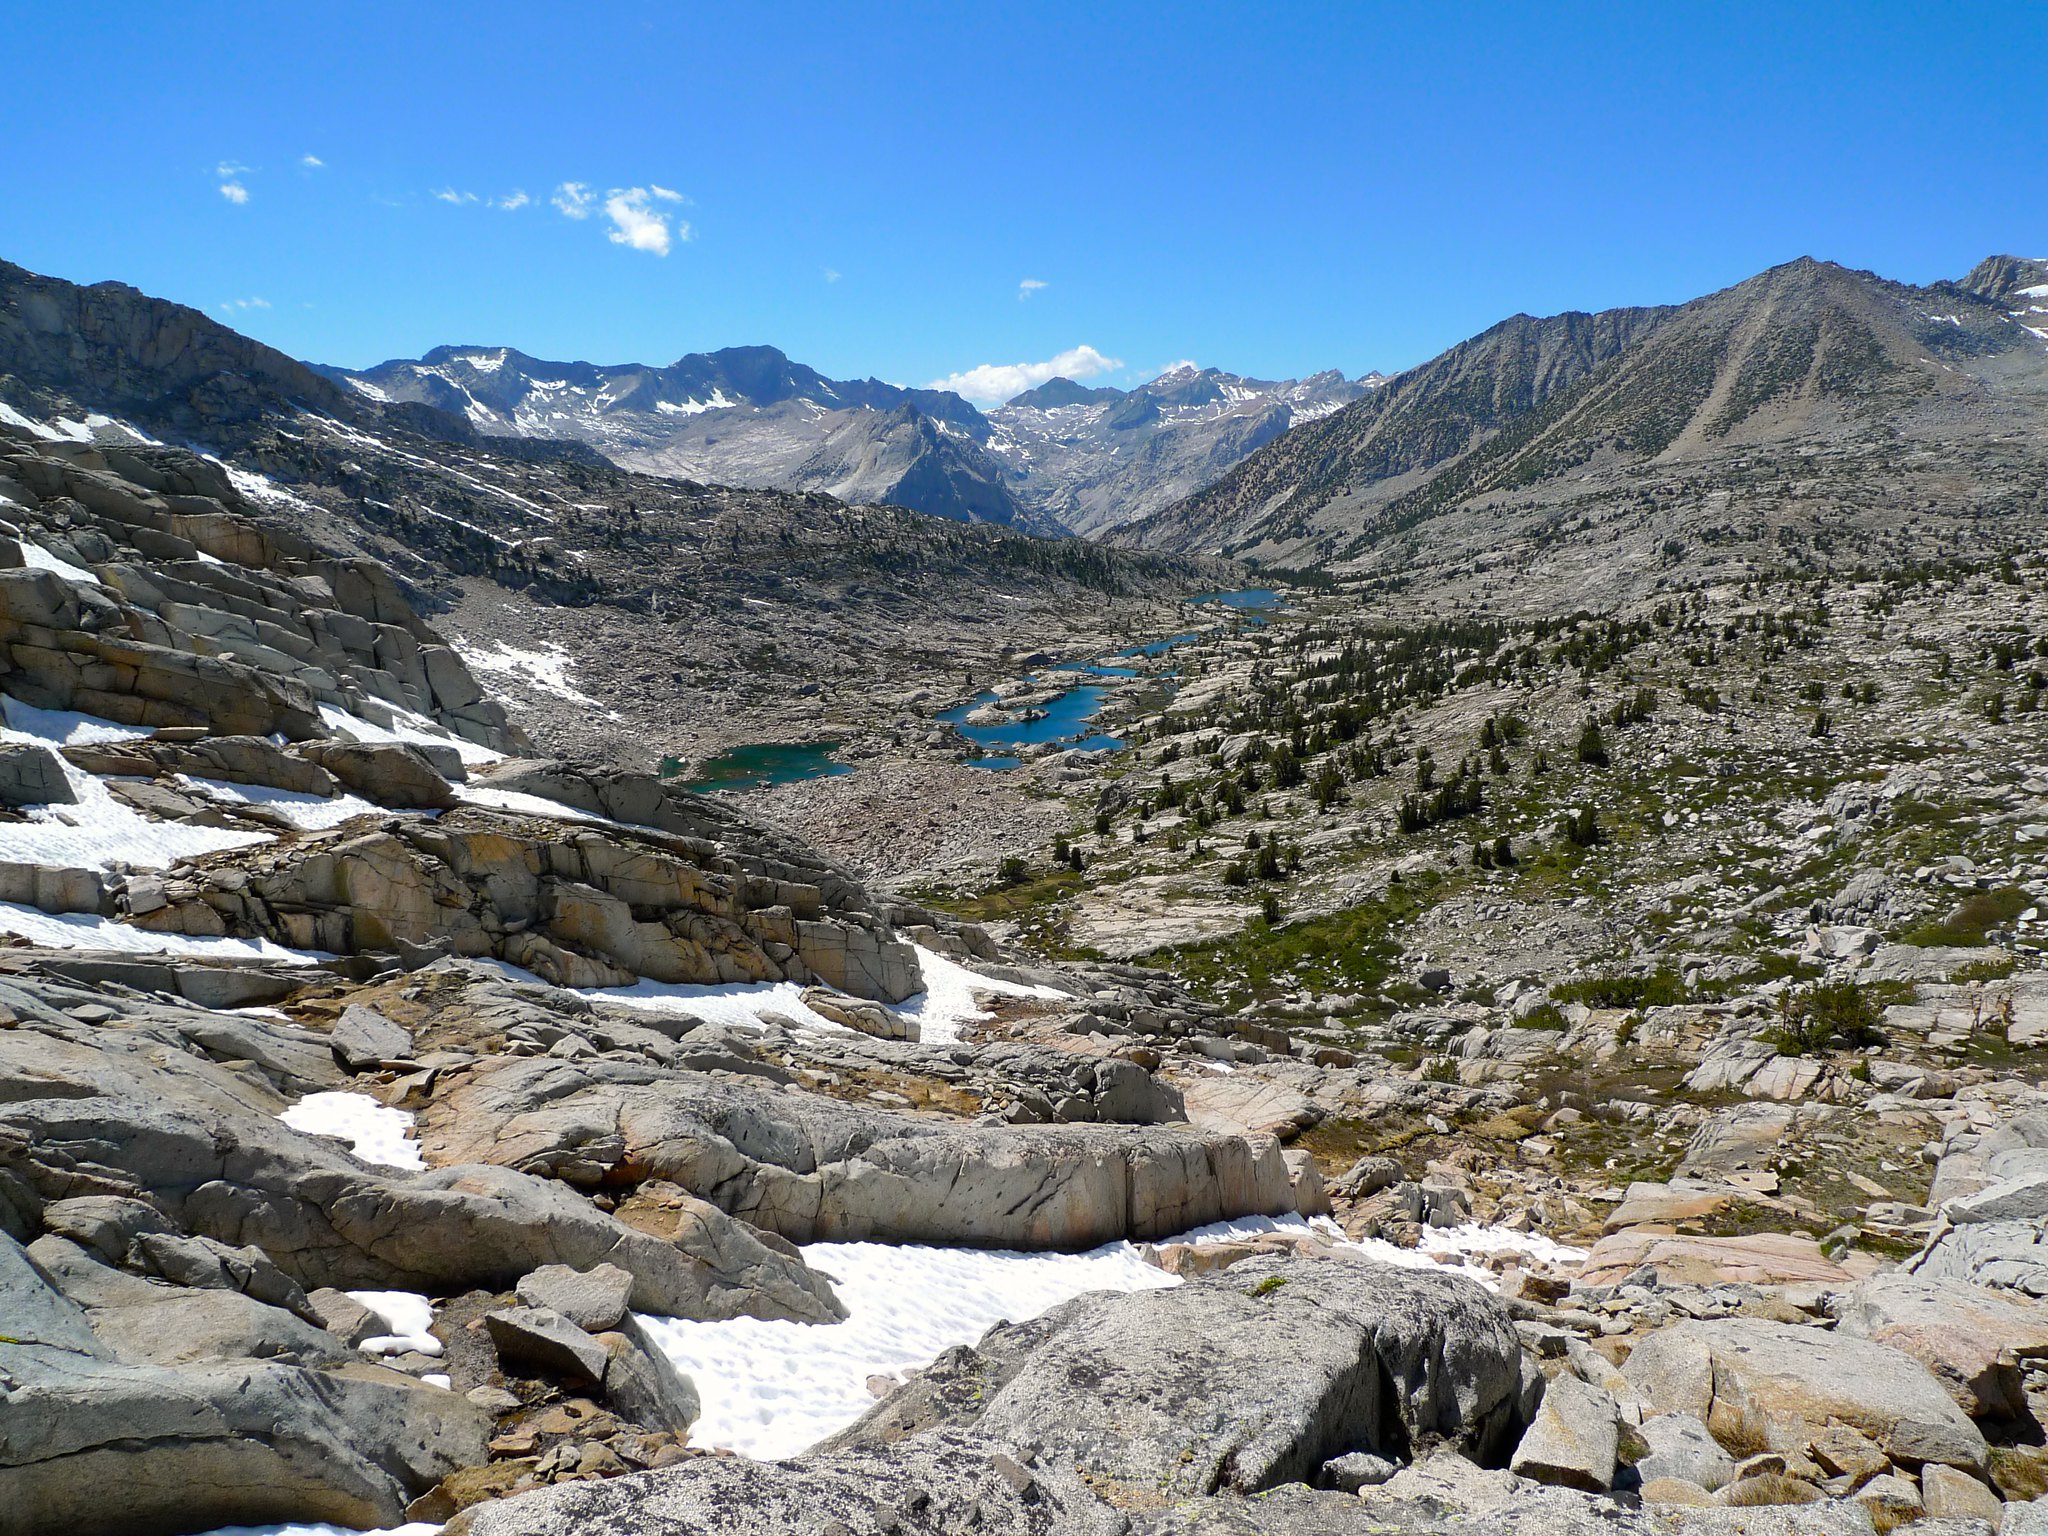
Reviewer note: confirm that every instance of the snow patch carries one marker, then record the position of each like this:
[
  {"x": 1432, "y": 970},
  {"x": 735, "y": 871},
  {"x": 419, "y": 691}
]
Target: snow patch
[
  {"x": 98, "y": 831},
  {"x": 14, "y": 418},
  {"x": 37, "y": 558},
  {"x": 740, "y": 1003},
  {"x": 773, "y": 1389},
  {"x": 545, "y": 668},
  {"x": 407, "y": 1314},
  {"x": 374, "y": 1133},
  {"x": 949, "y": 998},
  {"x": 65, "y": 727},
  {"x": 309, "y": 813},
  {"x": 522, "y": 804},
  {"x": 717, "y": 402},
  {"x": 407, "y": 727},
  {"x": 83, "y": 930}
]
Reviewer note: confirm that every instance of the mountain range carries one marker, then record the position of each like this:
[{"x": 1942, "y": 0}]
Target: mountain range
[
  {"x": 1811, "y": 415},
  {"x": 666, "y": 592},
  {"x": 1056, "y": 459}
]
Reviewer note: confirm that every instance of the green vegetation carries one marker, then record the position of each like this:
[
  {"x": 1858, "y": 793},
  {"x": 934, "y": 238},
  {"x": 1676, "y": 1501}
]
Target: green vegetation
[
  {"x": 1349, "y": 951},
  {"x": 1840, "y": 1015},
  {"x": 1967, "y": 926},
  {"x": 1660, "y": 989}
]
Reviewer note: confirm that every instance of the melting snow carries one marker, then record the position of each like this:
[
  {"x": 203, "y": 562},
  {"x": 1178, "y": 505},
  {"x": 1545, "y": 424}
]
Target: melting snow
[
  {"x": 65, "y": 727},
  {"x": 98, "y": 831},
  {"x": 948, "y": 999},
  {"x": 772, "y": 1389},
  {"x": 309, "y": 813},
  {"x": 407, "y": 727},
  {"x": 374, "y": 1133},
  {"x": 37, "y": 558},
  {"x": 545, "y": 668},
  {"x": 83, "y": 930},
  {"x": 733, "y": 1003},
  {"x": 14, "y": 418},
  {"x": 407, "y": 1314},
  {"x": 947, "y": 1002}
]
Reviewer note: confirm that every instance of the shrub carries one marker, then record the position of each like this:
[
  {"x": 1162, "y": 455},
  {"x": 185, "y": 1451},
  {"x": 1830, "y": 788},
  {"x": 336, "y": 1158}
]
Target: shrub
[
  {"x": 1770, "y": 1488},
  {"x": 1660, "y": 989},
  {"x": 1012, "y": 870},
  {"x": 1842, "y": 1014}
]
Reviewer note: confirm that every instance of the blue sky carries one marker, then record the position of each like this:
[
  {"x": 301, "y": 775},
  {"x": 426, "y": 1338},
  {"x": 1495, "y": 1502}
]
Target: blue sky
[{"x": 1269, "y": 189}]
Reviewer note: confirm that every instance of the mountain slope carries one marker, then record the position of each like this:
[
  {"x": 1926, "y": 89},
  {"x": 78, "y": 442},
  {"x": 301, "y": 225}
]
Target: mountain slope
[
  {"x": 1098, "y": 458},
  {"x": 695, "y": 613},
  {"x": 1809, "y": 415},
  {"x": 745, "y": 416}
]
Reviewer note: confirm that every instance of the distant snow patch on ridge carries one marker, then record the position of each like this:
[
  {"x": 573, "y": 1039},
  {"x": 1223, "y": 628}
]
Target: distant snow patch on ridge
[
  {"x": 14, "y": 418},
  {"x": 717, "y": 402}
]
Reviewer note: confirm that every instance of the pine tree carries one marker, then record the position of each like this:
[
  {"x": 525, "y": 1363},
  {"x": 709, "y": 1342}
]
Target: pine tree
[{"x": 1592, "y": 748}]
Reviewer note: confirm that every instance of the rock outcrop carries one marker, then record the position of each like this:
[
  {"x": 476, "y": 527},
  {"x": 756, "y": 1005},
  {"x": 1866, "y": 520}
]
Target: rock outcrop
[
  {"x": 118, "y": 1430},
  {"x": 133, "y": 1113},
  {"x": 173, "y": 606},
  {"x": 1241, "y": 1380},
  {"x": 813, "y": 1169}
]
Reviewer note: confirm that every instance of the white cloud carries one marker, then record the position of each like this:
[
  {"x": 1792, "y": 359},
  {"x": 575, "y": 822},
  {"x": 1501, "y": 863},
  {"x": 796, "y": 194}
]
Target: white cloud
[
  {"x": 234, "y": 192},
  {"x": 450, "y": 195},
  {"x": 311, "y": 162},
  {"x": 997, "y": 382},
  {"x": 831, "y": 274},
  {"x": 638, "y": 219},
  {"x": 239, "y": 304},
  {"x": 1028, "y": 287},
  {"x": 512, "y": 201},
  {"x": 574, "y": 199},
  {"x": 638, "y": 224},
  {"x": 229, "y": 169}
]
